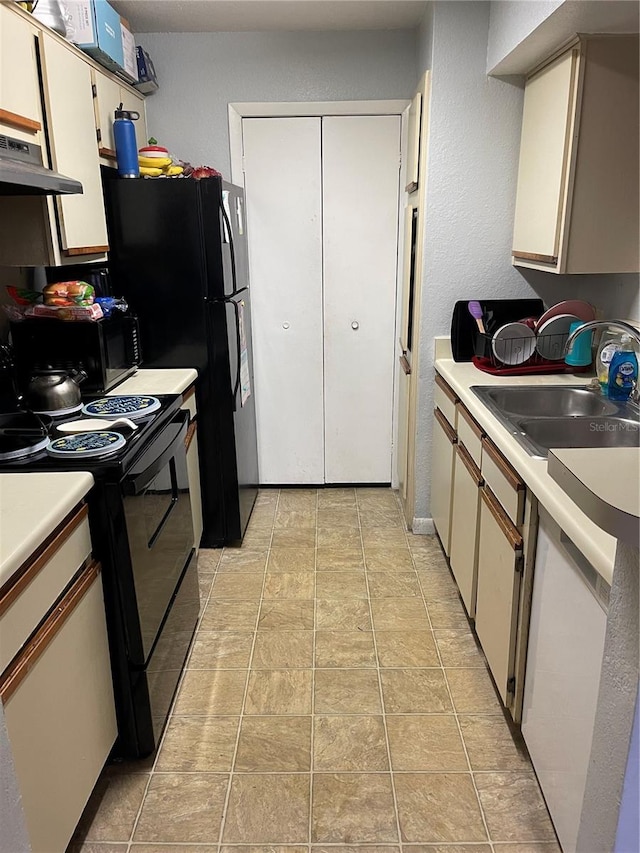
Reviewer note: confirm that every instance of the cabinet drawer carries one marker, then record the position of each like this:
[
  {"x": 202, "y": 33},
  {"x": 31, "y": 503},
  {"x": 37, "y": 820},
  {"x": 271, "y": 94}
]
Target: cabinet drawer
[
  {"x": 445, "y": 399},
  {"x": 503, "y": 481},
  {"x": 464, "y": 527},
  {"x": 60, "y": 715},
  {"x": 442, "y": 457},
  {"x": 470, "y": 433},
  {"x": 25, "y": 601},
  {"x": 499, "y": 567}
]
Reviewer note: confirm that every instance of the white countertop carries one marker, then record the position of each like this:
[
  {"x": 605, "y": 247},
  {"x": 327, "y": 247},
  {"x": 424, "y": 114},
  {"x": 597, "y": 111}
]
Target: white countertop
[
  {"x": 31, "y": 507},
  {"x": 172, "y": 380},
  {"x": 605, "y": 484},
  {"x": 597, "y": 546}
]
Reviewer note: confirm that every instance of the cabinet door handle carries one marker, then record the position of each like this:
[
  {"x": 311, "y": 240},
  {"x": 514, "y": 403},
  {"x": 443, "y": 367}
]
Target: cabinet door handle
[
  {"x": 469, "y": 464},
  {"x": 446, "y": 426},
  {"x": 504, "y": 522},
  {"x": 505, "y": 469},
  {"x": 404, "y": 363},
  {"x": 444, "y": 387},
  {"x": 28, "y": 571},
  {"x": 21, "y": 122},
  {"x": 535, "y": 257}
]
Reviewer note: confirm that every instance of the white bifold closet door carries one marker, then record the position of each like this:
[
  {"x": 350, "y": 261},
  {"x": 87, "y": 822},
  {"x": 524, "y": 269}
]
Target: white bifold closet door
[
  {"x": 322, "y": 208},
  {"x": 283, "y": 183},
  {"x": 360, "y": 165}
]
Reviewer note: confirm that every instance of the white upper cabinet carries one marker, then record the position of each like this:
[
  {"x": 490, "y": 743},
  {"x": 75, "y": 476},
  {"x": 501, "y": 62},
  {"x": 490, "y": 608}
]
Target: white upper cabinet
[
  {"x": 577, "y": 198},
  {"x": 69, "y": 108},
  {"x": 20, "y": 110}
]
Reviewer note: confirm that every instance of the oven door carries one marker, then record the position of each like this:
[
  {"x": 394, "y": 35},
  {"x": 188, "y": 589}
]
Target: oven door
[{"x": 159, "y": 528}]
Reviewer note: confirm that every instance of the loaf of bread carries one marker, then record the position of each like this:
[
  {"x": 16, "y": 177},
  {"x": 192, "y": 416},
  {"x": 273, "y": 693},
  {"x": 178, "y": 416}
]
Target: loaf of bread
[{"x": 69, "y": 293}]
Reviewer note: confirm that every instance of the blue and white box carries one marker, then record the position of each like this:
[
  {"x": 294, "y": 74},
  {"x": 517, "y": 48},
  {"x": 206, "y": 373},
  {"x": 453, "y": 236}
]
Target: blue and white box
[
  {"x": 97, "y": 31},
  {"x": 147, "y": 78}
]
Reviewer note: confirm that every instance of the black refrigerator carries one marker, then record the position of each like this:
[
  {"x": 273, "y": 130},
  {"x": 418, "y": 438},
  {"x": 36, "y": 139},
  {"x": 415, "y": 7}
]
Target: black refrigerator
[{"x": 178, "y": 254}]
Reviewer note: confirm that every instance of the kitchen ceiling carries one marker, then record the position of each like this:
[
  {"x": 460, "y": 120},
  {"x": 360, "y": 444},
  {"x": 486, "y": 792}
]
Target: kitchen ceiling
[{"x": 188, "y": 16}]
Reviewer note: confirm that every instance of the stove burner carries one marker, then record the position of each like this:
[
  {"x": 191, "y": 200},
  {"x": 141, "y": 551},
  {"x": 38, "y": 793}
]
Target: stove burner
[
  {"x": 22, "y": 434},
  {"x": 86, "y": 445},
  {"x": 131, "y": 406},
  {"x": 59, "y": 413}
]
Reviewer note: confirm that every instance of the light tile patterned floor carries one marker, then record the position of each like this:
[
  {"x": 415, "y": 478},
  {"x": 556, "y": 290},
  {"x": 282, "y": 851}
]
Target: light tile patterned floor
[{"x": 334, "y": 696}]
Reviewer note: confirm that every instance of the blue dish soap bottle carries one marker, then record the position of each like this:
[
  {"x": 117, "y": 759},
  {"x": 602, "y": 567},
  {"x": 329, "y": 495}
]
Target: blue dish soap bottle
[
  {"x": 623, "y": 371},
  {"x": 124, "y": 134}
]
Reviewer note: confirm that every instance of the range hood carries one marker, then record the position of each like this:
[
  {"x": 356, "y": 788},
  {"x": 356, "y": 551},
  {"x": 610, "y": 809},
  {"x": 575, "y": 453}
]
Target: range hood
[{"x": 22, "y": 172}]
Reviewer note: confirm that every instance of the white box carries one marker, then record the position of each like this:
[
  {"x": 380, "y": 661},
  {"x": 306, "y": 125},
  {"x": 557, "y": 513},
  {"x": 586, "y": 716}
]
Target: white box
[{"x": 129, "y": 51}]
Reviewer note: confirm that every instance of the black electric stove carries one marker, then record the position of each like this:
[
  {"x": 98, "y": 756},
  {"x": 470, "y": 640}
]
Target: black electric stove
[
  {"x": 142, "y": 534},
  {"x": 22, "y": 449}
]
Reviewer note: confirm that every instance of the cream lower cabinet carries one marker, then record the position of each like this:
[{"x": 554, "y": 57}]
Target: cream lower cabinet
[
  {"x": 463, "y": 555},
  {"x": 500, "y": 552},
  {"x": 442, "y": 459},
  {"x": 57, "y": 691},
  {"x": 193, "y": 464},
  {"x": 193, "y": 469}
]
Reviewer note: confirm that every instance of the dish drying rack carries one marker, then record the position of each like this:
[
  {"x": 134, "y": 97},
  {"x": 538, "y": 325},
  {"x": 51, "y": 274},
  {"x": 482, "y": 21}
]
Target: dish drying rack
[{"x": 513, "y": 349}]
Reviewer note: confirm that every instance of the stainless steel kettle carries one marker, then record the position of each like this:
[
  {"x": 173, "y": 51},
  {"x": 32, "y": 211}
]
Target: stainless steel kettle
[{"x": 50, "y": 390}]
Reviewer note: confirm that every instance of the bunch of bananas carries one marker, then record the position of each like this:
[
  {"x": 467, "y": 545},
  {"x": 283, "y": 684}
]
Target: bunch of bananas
[{"x": 153, "y": 167}]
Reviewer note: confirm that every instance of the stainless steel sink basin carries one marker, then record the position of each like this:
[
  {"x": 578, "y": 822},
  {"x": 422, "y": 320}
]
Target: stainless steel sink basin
[
  {"x": 545, "y": 433},
  {"x": 548, "y": 401},
  {"x": 547, "y": 416}
]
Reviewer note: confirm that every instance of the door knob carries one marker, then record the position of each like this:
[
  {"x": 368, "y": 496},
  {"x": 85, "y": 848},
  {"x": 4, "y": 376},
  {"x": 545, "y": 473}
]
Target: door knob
[
  {"x": 285, "y": 325},
  {"x": 355, "y": 325}
]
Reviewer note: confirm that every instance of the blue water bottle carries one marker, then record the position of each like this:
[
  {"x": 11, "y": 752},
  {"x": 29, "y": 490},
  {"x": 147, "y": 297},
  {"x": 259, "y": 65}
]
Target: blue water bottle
[{"x": 124, "y": 134}]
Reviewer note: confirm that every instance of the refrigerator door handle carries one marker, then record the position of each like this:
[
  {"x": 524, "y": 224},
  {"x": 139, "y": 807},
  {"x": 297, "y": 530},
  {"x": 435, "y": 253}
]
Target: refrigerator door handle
[
  {"x": 233, "y": 254},
  {"x": 236, "y": 386}
]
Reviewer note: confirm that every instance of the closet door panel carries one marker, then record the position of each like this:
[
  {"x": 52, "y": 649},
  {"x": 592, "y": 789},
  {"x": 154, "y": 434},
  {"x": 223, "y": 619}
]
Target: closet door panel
[
  {"x": 282, "y": 164},
  {"x": 361, "y": 157}
]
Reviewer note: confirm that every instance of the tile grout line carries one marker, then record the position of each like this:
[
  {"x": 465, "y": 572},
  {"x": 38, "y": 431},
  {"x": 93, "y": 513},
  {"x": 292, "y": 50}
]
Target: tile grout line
[
  {"x": 379, "y": 677},
  {"x": 225, "y": 808},
  {"x": 455, "y": 711},
  {"x": 313, "y": 678}
]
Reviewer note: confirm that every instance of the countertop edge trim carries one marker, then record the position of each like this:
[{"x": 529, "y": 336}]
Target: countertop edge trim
[{"x": 615, "y": 521}]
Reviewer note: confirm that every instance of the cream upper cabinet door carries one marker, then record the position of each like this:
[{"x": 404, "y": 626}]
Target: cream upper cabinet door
[
  {"x": 109, "y": 94},
  {"x": 107, "y": 99},
  {"x": 360, "y": 167},
  {"x": 20, "y": 109},
  {"x": 283, "y": 182},
  {"x": 135, "y": 103},
  {"x": 544, "y": 152},
  {"x": 69, "y": 106},
  {"x": 577, "y": 207}
]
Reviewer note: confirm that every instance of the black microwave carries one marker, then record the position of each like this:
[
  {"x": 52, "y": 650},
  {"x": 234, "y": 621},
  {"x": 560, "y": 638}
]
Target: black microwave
[{"x": 108, "y": 350}]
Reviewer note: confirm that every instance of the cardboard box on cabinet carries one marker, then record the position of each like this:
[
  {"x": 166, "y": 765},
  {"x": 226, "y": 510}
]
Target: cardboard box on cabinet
[
  {"x": 98, "y": 31},
  {"x": 147, "y": 79}
]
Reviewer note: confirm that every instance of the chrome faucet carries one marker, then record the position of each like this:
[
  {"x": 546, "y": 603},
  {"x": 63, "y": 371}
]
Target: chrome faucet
[{"x": 598, "y": 324}]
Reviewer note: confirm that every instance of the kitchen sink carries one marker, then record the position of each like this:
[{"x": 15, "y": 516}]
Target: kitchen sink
[
  {"x": 547, "y": 401},
  {"x": 543, "y": 417}
]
